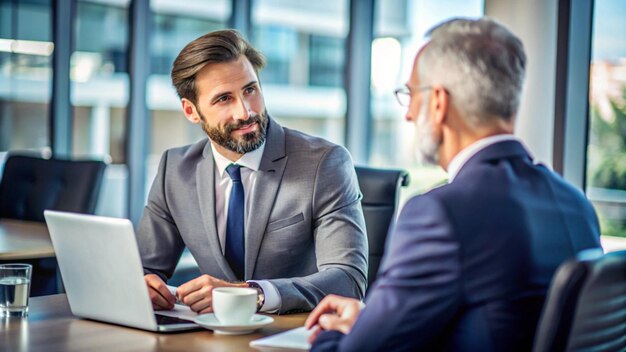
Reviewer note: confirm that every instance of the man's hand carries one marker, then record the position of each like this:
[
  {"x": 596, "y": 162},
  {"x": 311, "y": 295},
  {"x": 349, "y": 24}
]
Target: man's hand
[
  {"x": 333, "y": 313},
  {"x": 197, "y": 293},
  {"x": 159, "y": 294}
]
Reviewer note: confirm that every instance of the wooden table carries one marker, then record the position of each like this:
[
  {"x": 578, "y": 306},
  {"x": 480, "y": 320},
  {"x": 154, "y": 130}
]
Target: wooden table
[
  {"x": 50, "y": 326},
  {"x": 24, "y": 240}
]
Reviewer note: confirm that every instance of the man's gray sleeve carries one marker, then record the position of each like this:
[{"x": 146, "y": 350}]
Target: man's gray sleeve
[{"x": 160, "y": 244}]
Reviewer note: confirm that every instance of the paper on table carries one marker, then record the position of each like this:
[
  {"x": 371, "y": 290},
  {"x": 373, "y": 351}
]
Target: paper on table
[
  {"x": 290, "y": 340},
  {"x": 172, "y": 290}
]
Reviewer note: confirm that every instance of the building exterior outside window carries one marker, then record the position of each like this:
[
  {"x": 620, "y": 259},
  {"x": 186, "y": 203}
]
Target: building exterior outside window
[
  {"x": 304, "y": 43},
  {"x": 25, "y": 74},
  {"x": 99, "y": 80}
]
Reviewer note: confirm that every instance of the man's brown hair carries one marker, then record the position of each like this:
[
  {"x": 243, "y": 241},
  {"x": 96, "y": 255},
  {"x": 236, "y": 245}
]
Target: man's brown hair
[{"x": 214, "y": 47}]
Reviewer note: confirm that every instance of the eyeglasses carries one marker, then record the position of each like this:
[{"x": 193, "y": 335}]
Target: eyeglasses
[{"x": 403, "y": 95}]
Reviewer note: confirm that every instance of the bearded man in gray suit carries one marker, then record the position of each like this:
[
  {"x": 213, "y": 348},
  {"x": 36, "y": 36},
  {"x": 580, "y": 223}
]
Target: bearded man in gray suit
[{"x": 258, "y": 205}]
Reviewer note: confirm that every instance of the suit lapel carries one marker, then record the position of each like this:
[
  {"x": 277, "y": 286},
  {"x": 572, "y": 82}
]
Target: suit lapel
[
  {"x": 205, "y": 181},
  {"x": 263, "y": 196}
]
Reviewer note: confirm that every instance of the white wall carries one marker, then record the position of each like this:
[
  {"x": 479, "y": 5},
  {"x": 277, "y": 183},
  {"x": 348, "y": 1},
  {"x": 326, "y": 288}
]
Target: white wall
[{"x": 535, "y": 23}]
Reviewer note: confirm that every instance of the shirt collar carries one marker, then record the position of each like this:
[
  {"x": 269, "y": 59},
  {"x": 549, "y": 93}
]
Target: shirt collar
[
  {"x": 250, "y": 160},
  {"x": 464, "y": 155}
]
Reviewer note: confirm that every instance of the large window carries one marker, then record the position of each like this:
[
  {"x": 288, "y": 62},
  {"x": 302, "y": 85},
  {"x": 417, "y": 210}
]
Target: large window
[
  {"x": 25, "y": 74},
  {"x": 304, "y": 43},
  {"x": 399, "y": 29},
  {"x": 99, "y": 79},
  {"x": 606, "y": 161}
]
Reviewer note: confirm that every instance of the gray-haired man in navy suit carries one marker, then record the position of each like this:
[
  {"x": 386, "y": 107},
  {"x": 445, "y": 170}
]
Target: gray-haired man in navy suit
[{"x": 469, "y": 263}]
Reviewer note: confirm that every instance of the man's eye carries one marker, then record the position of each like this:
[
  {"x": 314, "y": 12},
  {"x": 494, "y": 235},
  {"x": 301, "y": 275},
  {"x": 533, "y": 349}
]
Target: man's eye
[
  {"x": 250, "y": 90},
  {"x": 222, "y": 99}
]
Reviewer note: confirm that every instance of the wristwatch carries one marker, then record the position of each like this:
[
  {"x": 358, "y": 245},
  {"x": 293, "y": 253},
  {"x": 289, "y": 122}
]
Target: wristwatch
[{"x": 260, "y": 297}]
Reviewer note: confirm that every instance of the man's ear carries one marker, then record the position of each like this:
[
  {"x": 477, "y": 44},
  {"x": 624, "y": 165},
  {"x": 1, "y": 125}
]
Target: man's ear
[
  {"x": 440, "y": 103},
  {"x": 190, "y": 111}
]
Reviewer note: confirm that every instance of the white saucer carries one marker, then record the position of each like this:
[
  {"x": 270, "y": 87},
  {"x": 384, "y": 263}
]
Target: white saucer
[{"x": 210, "y": 322}]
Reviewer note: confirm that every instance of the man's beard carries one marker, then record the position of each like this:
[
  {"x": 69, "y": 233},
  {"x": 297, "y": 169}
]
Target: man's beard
[
  {"x": 427, "y": 146},
  {"x": 243, "y": 144}
]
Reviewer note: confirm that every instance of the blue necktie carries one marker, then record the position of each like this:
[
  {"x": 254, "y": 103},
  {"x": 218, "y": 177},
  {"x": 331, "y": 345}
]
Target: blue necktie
[{"x": 234, "y": 225}]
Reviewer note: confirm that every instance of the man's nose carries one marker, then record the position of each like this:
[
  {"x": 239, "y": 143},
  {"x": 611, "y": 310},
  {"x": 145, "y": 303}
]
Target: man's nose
[
  {"x": 408, "y": 116},
  {"x": 242, "y": 110}
]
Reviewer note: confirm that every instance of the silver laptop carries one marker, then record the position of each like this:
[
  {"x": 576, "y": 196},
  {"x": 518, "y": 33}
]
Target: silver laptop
[{"x": 102, "y": 272}]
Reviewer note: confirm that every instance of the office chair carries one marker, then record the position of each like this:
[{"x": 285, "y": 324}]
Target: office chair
[
  {"x": 586, "y": 305},
  {"x": 381, "y": 189},
  {"x": 30, "y": 185}
]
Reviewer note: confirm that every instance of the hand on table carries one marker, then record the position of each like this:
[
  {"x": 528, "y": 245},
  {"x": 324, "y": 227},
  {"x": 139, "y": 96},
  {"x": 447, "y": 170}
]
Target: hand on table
[
  {"x": 333, "y": 313},
  {"x": 197, "y": 293}
]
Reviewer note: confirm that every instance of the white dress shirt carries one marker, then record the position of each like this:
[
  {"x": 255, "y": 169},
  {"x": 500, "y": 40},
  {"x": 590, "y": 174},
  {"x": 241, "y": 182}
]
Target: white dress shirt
[
  {"x": 249, "y": 163},
  {"x": 464, "y": 155}
]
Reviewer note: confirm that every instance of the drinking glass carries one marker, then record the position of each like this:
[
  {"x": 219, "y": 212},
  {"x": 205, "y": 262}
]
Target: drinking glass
[{"x": 14, "y": 289}]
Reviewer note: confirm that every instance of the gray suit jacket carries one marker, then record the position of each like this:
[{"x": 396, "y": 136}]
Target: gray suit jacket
[{"x": 305, "y": 233}]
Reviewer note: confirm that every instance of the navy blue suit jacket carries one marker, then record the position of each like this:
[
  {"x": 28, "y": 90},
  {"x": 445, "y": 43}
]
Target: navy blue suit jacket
[{"x": 468, "y": 264}]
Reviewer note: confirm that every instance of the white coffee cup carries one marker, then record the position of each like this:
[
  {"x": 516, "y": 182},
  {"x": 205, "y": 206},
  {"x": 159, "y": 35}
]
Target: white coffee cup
[{"x": 234, "y": 305}]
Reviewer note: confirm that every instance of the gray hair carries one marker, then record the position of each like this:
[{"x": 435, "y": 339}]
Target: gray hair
[{"x": 480, "y": 63}]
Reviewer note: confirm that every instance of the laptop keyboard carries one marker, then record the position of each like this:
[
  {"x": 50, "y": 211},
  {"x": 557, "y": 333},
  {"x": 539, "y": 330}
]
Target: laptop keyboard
[{"x": 165, "y": 320}]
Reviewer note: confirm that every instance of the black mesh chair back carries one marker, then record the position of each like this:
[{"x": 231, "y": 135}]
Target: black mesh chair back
[
  {"x": 381, "y": 189},
  {"x": 30, "y": 185},
  {"x": 586, "y": 305}
]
